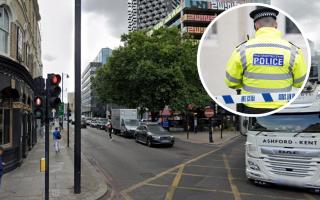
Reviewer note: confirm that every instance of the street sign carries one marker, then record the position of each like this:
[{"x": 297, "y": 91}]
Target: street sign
[
  {"x": 208, "y": 112},
  {"x": 61, "y": 109}
]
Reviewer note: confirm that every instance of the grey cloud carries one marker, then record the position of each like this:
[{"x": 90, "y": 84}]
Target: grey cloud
[
  {"x": 306, "y": 13},
  {"x": 115, "y": 11},
  {"x": 299, "y": 9},
  {"x": 49, "y": 57}
]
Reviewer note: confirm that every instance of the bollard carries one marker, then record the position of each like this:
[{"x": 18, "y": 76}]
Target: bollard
[{"x": 42, "y": 165}]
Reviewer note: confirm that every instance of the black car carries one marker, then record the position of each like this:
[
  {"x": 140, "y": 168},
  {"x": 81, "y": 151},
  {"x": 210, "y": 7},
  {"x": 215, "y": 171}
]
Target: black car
[{"x": 153, "y": 134}]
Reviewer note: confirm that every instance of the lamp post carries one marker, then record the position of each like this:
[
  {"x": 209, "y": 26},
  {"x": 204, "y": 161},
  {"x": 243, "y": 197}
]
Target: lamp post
[
  {"x": 77, "y": 111},
  {"x": 62, "y": 76}
]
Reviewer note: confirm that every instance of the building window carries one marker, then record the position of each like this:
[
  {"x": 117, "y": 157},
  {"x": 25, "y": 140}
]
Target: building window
[
  {"x": 4, "y": 29},
  {"x": 4, "y": 126},
  {"x": 291, "y": 27},
  {"x": 19, "y": 44}
]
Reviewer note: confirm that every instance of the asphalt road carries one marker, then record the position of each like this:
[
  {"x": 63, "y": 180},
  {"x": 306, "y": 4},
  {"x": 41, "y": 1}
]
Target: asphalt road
[{"x": 185, "y": 172}]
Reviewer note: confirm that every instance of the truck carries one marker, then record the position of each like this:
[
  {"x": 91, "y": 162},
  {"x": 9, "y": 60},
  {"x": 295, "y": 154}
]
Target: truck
[
  {"x": 284, "y": 148},
  {"x": 124, "y": 121}
]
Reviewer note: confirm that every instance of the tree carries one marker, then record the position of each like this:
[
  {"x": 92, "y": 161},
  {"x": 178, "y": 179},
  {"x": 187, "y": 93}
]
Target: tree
[{"x": 151, "y": 71}]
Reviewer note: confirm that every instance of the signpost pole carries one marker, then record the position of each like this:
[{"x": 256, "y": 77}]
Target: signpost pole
[
  {"x": 209, "y": 113},
  {"x": 187, "y": 124},
  {"x": 211, "y": 130}
]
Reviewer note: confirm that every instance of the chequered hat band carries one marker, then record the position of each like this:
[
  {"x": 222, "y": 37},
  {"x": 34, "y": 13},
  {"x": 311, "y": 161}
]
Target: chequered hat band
[{"x": 264, "y": 14}]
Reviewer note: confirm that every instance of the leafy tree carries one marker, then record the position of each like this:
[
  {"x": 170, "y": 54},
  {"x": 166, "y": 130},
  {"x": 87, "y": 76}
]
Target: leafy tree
[{"x": 151, "y": 71}]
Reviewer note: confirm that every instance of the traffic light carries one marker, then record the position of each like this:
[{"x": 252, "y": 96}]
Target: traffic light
[
  {"x": 38, "y": 107},
  {"x": 39, "y": 98},
  {"x": 54, "y": 91}
]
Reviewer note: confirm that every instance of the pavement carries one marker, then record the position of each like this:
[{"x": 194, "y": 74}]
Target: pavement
[
  {"x": 203, "y": 137},
  {"x": 27, "y": 182}
]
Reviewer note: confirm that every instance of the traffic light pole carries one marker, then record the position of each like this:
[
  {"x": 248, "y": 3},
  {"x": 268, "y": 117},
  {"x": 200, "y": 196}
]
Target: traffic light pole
[
  {"x": 62, "y": 100},
  {"x": 47, "y": 144},
  {"x": 77, "y": 112}
]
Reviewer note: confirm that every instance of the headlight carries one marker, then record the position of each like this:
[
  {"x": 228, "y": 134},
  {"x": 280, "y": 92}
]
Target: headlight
[
  {"x": 252, "y": 150},
  {"x": 253, "y": 166}
]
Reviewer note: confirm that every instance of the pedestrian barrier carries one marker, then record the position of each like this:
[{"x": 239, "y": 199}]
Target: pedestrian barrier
[{"x": 247, "y": 98}]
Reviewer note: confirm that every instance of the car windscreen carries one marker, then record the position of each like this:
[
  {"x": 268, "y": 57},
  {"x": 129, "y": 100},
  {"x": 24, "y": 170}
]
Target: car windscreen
[
  {"x": 157, "y": 129},
  {"x": 131, "y": 122},
  {"x": 307, "y": 122}
]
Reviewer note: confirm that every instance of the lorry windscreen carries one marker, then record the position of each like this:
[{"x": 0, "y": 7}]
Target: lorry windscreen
[
  {"x": 292, "y": 123},
  {"x": 131, "y": 122}
]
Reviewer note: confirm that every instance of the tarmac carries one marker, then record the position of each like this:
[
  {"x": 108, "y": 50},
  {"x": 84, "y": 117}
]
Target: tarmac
[{"x": 28, "y": 183}]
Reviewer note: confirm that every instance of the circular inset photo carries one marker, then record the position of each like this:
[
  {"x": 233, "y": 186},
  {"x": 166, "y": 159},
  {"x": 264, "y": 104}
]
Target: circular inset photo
[{"x": 253, "y": 60}]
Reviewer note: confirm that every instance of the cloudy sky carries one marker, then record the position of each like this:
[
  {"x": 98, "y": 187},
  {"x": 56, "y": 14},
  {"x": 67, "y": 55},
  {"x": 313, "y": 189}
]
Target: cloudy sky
[{"x": 105, "y": 20}]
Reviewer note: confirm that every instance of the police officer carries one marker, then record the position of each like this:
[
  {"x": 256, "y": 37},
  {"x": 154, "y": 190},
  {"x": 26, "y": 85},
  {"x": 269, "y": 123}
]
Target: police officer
[{"x": 266, "y": 63}]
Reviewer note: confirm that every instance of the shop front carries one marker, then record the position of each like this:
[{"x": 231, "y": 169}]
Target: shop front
[{"x": 17, "y": 131}]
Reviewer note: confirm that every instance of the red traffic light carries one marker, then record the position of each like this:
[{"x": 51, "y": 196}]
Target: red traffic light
[
  {"x": 38, "y": 101},
  {"x": 55, "y": 79}
]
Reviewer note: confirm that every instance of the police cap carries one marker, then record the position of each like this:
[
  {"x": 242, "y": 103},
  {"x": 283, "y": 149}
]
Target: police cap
[{"x": 263, "y": 12}]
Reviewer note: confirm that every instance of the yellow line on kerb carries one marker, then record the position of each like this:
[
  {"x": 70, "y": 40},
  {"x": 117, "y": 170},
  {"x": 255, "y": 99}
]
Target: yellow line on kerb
[
  {"x": 234, "y": 188},
  {"x": 175, "y": 183}
]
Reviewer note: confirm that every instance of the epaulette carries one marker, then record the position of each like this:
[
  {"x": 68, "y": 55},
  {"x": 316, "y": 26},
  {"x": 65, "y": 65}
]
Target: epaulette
[
  {"x": 241, "y": 44},
  {"x": 294, "y": 45}
]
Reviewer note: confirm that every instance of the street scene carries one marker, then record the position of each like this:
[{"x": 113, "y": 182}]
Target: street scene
[{"x": 104, "y": 100}]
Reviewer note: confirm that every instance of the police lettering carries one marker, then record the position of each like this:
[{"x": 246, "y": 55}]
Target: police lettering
[{"x": 268, "y": 60}]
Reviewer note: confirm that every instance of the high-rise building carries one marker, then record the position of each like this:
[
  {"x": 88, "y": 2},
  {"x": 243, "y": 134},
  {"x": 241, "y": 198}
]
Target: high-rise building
[
  {"x": 144, "y": 14},
  {"x": 20, "y": 62},
  {"x": 90, "y": 105}
]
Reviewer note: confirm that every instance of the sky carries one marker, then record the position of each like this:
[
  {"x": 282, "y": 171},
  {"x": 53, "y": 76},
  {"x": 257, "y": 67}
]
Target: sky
[{"x": 104, "y": 21}]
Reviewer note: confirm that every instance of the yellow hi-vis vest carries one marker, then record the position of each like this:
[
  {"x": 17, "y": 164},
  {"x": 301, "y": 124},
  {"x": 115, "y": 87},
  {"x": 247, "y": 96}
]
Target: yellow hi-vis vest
[{"x": 266, "y": 63}]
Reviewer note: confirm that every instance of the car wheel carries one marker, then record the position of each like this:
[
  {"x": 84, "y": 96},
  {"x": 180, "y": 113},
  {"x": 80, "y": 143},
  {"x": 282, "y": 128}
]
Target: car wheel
[
  {"x": 171, "y": 145},
  {"x": 136, "y": 139},
  {"x": 149, "y": 144}
]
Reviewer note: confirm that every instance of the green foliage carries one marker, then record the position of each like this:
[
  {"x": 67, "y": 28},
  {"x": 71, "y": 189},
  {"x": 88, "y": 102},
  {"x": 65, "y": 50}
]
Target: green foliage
[{"x": 151, "y": 71}]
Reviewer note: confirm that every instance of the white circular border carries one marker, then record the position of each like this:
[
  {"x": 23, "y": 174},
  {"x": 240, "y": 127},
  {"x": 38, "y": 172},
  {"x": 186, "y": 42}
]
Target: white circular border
[{"x": 199, "y": 60}]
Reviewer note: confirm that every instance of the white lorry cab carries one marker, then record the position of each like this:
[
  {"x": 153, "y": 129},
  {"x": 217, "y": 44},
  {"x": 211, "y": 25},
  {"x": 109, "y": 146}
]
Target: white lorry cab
[{"x": 284, "y": 148}]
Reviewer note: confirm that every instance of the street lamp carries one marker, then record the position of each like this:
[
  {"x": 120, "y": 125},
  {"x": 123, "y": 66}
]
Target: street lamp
[{"x": 62, "y": 76}]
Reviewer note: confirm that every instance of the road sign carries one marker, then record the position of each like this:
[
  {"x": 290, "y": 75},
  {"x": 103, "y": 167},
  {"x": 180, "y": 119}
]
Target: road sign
[
  {"x": 61, "y": 109},
  {"x": 208, "y": 112}
]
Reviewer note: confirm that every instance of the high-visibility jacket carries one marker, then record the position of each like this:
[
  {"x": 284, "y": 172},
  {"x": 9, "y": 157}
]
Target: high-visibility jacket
[{"x": 266, "y": 63}]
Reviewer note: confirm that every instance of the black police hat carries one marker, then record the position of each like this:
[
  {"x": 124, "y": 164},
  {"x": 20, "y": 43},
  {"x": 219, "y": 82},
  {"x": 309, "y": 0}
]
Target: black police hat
[{"x": 263, "y": 12}]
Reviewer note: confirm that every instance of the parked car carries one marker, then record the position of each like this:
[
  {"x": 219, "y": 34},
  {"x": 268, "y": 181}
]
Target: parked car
[
  {"x": 153, "y": 134},
  {"x": 88, "y": 121},
  {"x": 93, "y": 123},
  {"x": 101, "y": 124},
  {"x": 83, "y": 123}
]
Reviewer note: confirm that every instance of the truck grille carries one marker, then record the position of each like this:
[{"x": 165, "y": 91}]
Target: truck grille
[{"x": 291, "y": 165}]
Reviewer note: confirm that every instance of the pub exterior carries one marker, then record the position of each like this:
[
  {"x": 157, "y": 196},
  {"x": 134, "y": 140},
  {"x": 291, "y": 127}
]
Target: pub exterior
[{"x": 20, "y": 63}]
